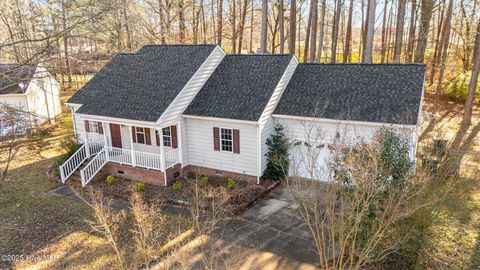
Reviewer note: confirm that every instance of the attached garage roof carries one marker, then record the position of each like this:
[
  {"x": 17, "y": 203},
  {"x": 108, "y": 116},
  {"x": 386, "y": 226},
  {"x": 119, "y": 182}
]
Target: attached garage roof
[
  {"x": 140, "y": 86},
  {"x": 240, "y": 87},
  {"x": 383, "y": 93}
]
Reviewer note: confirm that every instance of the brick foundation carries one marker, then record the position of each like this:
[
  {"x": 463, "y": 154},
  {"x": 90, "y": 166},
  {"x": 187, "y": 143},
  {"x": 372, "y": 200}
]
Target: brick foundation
[
  {"x": 214, "y": 172},
  {"x": 151, "y": 176}
]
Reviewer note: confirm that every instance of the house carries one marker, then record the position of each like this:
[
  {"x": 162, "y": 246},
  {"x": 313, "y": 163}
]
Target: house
[
  {"x": 169, "y": 109},
  {"x": 31, "y": 91}
]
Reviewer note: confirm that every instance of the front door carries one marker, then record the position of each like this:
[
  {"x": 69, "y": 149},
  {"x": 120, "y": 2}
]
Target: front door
[{"x": 116, "y": 135}]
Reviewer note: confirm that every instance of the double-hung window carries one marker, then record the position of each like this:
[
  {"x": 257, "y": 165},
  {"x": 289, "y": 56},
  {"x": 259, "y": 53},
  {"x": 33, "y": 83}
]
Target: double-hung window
[
  {"x": 93, "y": 126},
  {"x": 140, "y": 134},
  {"x": 226, "y": 139},
  {"x": 167, "y": 136}
]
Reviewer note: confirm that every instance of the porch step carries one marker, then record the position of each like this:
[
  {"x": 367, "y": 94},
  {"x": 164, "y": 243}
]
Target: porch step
[{"x": 76, "y": 179}]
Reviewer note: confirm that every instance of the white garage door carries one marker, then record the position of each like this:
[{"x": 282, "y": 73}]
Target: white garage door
[{"x": 309, "y": 160}]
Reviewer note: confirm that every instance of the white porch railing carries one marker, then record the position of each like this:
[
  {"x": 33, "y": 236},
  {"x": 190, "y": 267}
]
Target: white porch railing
[
  {"x": 93, "y": 167},
  {"x": 73, "y": 163},
  {"x": 171, "y": 158},
  {"x": 105, "y": 154},
  {"x": 86, "y": 151}
]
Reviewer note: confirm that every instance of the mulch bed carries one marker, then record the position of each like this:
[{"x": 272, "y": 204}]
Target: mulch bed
[{"x": 233, "y": 201}]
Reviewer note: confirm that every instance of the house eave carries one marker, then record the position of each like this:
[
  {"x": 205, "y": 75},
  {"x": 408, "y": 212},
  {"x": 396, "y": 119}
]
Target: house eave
[
  {"x": 114, "y": 120},
  {"x": 253, "y": 123},
  {"x": 344, "y": 122}
]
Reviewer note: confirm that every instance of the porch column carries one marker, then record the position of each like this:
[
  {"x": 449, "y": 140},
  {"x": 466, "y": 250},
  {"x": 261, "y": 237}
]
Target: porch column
[
  {"x": 179, "y": 140},
  {"x": 85, "y": 135},
  {"x": 132, "y": 151},
  {"x": 105, "y": 139},
  {"x": 162, "y": 157}
]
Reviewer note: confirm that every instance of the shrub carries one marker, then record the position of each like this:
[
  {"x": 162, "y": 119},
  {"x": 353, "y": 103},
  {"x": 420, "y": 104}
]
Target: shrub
[
  {"x": 177, "y": 186},
  {"x": 277, "y": 155},
  {"x": 458, "y": 86},
  {"x": 190, "y": 175},
  {"x": 204, "y": 181},
  {"x": 231, "y": 184},
  {"x": 140, "y": 186},
  {"x": 110, "y": 179}
]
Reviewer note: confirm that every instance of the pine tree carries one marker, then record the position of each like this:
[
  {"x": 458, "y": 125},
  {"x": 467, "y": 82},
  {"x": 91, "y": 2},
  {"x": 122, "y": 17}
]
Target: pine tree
[{"x": 277, "y": 155}]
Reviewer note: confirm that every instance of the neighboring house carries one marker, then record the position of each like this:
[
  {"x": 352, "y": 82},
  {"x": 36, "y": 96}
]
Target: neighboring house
[
  {"x": 31, "y": 91},
  {"x": 168, "y": 109}
]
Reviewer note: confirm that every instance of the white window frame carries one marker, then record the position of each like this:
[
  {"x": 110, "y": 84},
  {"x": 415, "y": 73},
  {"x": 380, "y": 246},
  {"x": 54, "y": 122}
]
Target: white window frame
[
  {"x": 93, "y": 127},
  {"x": 226, "y": 140},
  {"x": 167, "y": 138},
  {"x": 142, "y": 132}
]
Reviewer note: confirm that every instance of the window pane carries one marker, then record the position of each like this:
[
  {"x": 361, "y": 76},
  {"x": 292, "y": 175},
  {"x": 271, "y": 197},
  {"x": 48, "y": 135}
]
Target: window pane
[
  {"x": 140, "y": 138},
  {"x": 226, "y": 139},
  {"x": 167, "y": 138}
]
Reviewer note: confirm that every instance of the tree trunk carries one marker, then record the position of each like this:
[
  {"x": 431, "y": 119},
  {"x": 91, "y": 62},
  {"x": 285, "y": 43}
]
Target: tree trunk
[
  {"x": 127, "y": 25},
  {"x": 322, "y": 31},
  {"x": 472, "y": 88},
  {"x": 243, "y": 16},
  {"x": 411, "y": 32},
  {"x": 163, "y": 35},
  {"x": 181, "y": 22},
  {"x": 347, "y": 57},
  {"x": 65, "y": 43},
  {"x": 336, "y": 22},
  {"x": 369, "y": 32},
  {"x": 383, "y": 49},
  {"x": 307, "y": 33},
  {"x": 263, "y": 36},
  {"x": 219, "y": 22},
  {"x": 282, "y": 26},
  {"x": 293, "y": 21},
  {"x": 313, "y": 41},
  {"x": 437, "y": 52},
  {"x": 425, "y": 17},
  {"x": 399, "y": 30},
  {"x": 233, "y": 14},
  {"x": 251, "y": 26},
  {"x": 446, "y": 42}
]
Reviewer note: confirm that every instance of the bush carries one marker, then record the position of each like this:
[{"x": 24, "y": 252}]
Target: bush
[
  {"x": 140, "y": 186},
  {"x": 191, "y": 175},
  {"x": 231, "y": 184},
  {"x": 277, "y": 155},
  {"x": 458, "y": 86},
  {"x": 177, "y": 186},
  {"x": 110, "y": 179},
  {"x": 204, "y": 181}
]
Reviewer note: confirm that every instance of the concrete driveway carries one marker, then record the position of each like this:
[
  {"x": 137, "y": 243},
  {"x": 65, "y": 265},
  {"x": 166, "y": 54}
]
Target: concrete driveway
[{"x": 269, "y": 235}]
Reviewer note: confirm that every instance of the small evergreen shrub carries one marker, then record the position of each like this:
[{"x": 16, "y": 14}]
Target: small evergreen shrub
[
  {"x": 191, "y": 175},
  {"x": 110, "y": 179},
  {"x": 204, "y": 181},
  {"x": 277, "y": 155},
  {"x": 231, "y": 184},
  {"x": 140, "y": 186},
  {"x": 177, "y": 186}
]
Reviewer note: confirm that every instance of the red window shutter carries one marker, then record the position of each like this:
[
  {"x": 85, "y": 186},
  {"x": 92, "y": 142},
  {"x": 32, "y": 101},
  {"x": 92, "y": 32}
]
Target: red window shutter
[
  {"x": 157, "y": 137},
  {"x": 148, "y": 140},
  {"x": 87, "y": 125},
  {"x": 134, "y": 135},
  {"x": 236, "y": 141},
  {"x": 173, "y": 130},
  {"x": 100, "y": 127},
  {"x": 216, "y": 139}
]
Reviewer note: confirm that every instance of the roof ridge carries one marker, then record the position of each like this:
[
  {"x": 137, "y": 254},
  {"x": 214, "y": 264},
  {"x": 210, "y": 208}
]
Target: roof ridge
[
  {"x": 262, "y": 54},
  {"x": 178, "y": 45},
  {"x": 363, "y": 64}
]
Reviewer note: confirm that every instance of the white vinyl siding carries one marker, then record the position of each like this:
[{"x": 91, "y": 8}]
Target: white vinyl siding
[
  {"x": 201, "y": 152},
  {"x": 174, "y": 111},
  {"x": 266, "y": 120},
  {"x": 312, "y": 139}
]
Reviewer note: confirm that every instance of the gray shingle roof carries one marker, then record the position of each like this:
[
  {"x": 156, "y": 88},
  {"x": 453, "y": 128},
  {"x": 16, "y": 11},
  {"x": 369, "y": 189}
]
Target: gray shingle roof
[
  {"x": 142, "y": 85},
  {"x": 384, "y": 93},
  {"x": 13, "y": 75},
  {"x": 240, "y": 87}
]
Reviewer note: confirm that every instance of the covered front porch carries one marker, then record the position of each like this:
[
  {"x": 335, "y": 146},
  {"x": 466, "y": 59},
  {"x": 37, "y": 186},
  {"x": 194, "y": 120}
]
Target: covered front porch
[{"x": 136, "y": 144}]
